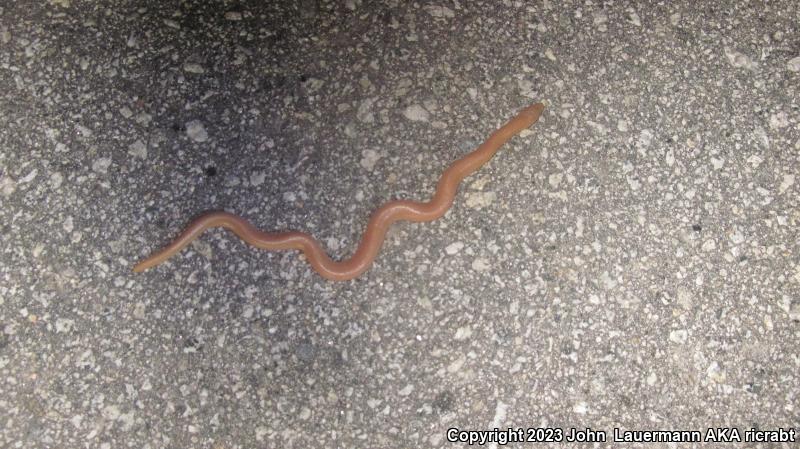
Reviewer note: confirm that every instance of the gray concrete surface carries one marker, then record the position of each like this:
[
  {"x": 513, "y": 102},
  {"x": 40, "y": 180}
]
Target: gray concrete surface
[{"x": 631, "y": 262}]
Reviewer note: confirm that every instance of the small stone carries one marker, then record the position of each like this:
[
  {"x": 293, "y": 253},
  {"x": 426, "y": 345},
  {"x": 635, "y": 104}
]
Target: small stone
[
  {"x": 196, "y": 131},
  {"x": 786, "y": 183},
  {"x": 172, "y": 24},
  {"x": 68, "y": 225},
  {"x": 430, "y": 105},
  {"x": 440, "y": 11},
  {"x": 127, "y": 420},
  {"x": 645, "y": 138},
  {"x": 608, "y": 282},
  {"x": 257, "y": 178},
  {"x": 143, "y": 118},
  {"x": 101, "y": 165},
  {"x": 7, "y": 186},
  {"x": 736, "y": 237},
  {"x": 454, "y": 248},
  {"x": 56, "y": 179},
  {"x": 364, "y": 113},
  {"x": 138, "y": 149},
  {"x": 193, "y": 67},
  {"x": 29, "y": 177},
  {"x": 684, "y": 298},
  {"x": 622, "y": 125},
  {"x": 76, "y": 421},
  {"x": 598, "y": 128},
  {"x": 794, "y": 64},
  {"x": 456, "y": 365},
  {"x": 64, "y": 325},
  {"x": 555, "y": 179},
  {"x": 139, "y": 310},
  {"x": 599, "y": 18},
  {"x": 634, "y": 18},
  {"x": 779, "y": 120},
  {"x": 679, "y": 336},
  {"x": 406, "y": 390},
  {"x": 715, "y": 373},
  {"x": 477, "y": 200},
  {"x": 463, "y": 333},
  {"x": 526, "y": 88},
  {"x": 126, "y": 112},
  {"x": 424, "y": 302},
  {"x": 794, "y": 311},
  {"x": 85, "y": 132},
  {"x": 481, "y": 264},
  {"x": 416, "y": 113},
  {"x": 233, "y": 15},
  {"x": 369, "y": 159},
  {"x": 110, "y": 412},
  {"x": 755, "y": 160},
  {"x": 737, "y": 59},
  {"x": 365, "y": 83}
]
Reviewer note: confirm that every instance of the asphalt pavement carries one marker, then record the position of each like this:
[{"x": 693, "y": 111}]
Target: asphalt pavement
[{"x": 630, "y": 263}]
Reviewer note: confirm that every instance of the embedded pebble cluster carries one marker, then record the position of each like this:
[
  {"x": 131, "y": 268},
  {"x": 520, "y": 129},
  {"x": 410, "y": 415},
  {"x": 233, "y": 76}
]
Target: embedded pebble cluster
[{"x": 631, "y": 261}]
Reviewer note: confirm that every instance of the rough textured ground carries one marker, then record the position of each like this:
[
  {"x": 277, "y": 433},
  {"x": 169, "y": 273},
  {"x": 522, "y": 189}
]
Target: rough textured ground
[{"x": 630, "y": 262}]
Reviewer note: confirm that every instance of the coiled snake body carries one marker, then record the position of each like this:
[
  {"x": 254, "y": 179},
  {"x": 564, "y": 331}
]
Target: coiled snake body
[{"x": 379, "y": 222}]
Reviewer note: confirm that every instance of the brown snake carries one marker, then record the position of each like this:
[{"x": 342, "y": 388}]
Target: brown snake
[{"x": 379, "y": 222}]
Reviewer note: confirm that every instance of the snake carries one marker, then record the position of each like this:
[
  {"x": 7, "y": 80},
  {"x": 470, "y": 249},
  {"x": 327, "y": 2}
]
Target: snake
[{"x": 379, "y": 222}]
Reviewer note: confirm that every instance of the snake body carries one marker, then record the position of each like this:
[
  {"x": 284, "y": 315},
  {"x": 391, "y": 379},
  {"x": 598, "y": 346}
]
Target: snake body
[{"x": 379, "y": 222}]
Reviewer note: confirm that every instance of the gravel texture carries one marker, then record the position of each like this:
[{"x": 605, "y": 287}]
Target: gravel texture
[{"x": 630, "y": 262}]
